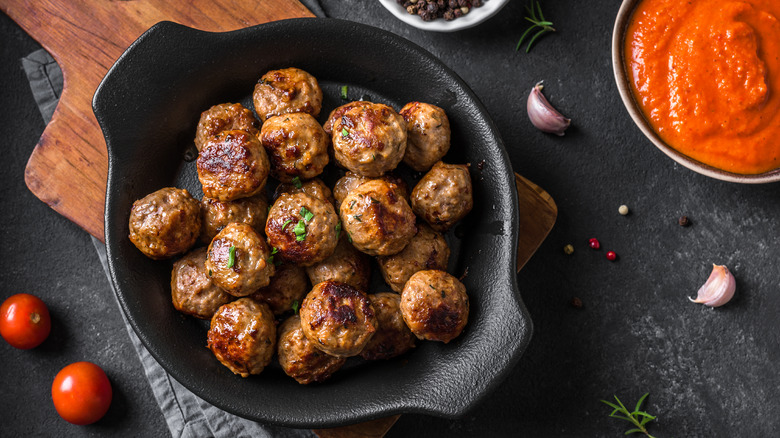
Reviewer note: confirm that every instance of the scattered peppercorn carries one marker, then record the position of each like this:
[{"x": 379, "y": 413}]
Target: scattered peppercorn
[
  {"x": 623, "y": 209},
  {"x": 684, "y": 221},
  {"x": 594, "y": 243},
  {"x": 568, "y": 249},
  {"x": 576, "y": 303},
  {"x": 430, "y": 10},
  {"x": 611, "y": 256}
]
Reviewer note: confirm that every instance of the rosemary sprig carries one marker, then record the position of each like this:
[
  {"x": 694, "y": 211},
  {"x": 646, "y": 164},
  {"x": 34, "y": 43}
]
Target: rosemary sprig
[
  {"x": 536, "y": 17},
  {"x": 637, "y": 418}
]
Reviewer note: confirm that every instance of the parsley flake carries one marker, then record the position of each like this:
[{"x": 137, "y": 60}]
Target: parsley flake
[
  {"x": 232, "y": 257},
  {"x": 344, "y": 132},
  {"x": 349, "y": 237},
  {"x": 300, "y": 231},
  {"x": 295, "y": 306},
  {"x": 287, "y": 222},
  {"x": 338, "y": 230},
  {"x": 344, "y": 92},
  {"x": 307, "y": 215},
  {"x": 357, "y": 217},
  {"x": 297, "y": 182}
]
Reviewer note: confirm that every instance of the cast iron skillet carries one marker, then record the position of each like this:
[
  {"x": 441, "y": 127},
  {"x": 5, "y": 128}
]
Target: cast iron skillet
[{"x": 148, "y": 106}]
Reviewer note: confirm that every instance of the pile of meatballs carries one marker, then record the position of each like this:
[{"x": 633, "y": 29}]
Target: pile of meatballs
[{"x": 291, "y": 277}]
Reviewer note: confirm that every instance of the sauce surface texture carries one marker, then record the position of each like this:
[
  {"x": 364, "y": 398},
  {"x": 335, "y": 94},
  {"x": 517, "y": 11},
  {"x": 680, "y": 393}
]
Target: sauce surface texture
[{"x": 707, "y": 77}]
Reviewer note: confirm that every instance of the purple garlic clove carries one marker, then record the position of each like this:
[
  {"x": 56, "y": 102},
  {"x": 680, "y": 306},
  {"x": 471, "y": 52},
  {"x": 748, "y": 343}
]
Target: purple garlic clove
[
  {"x": 718, "y": 289},
  {"x": 543, "y": 116}
]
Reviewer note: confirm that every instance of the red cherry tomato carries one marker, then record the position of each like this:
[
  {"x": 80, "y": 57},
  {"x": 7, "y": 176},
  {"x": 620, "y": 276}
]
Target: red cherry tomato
[
  {"x": 81, "y": 393},
  {"x": 24, "y": 321}
]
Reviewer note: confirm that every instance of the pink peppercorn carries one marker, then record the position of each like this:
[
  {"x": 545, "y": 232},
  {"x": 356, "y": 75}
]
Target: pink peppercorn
[
  {"x": 594, "y": 243},
  {"x": 611, "y": 256}
]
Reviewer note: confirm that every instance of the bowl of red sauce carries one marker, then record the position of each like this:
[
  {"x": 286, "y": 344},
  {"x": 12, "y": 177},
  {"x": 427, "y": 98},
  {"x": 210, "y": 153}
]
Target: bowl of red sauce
[{"x": 701, "y": 79}]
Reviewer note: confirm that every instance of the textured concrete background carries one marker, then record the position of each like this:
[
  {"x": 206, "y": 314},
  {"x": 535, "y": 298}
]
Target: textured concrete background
[{"x": 710, "y": 372}]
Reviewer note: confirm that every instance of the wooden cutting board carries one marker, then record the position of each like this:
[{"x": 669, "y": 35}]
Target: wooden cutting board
[{"x": 68, "y": 167}]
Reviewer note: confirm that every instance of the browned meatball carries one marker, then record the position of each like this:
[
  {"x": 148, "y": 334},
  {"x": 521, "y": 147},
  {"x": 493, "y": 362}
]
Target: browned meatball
[
  {"x": 427, "y": 250},
  {"x": 345, "y": 265},
  {"x": 351, "y": 180},
  {"x": 165, "y": 223},
  {"x": 288, "y": 285},
  {"x": 313, "y": 187},
  {"x": 338, "y": 319},
  {"x": 233, "y": 165},
  {"x": 428, "y": 129},
  {"x": 338, "y": 112},
  {"x": 296, "y": 145},
  {"x": 435, "y": 306},
  {"x": 192, "y": 290},
  {"x": 285, "y": 91},
  {"x": 216, "y": 214},
  {"x": 225, "y": 117},
  {"x": 238, "y": 260},
  {"x": 369, "y": 139},
  {"x": 302, "y": 228},
  {"x": 393, "y": 337},
  {"x": 444, "y": 195},
  {"x": 377, "y": 219},
  {"x": 243, "y": 336},
  {"x": 300, "y": 359}
]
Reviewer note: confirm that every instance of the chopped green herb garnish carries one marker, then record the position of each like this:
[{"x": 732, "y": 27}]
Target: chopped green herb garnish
[
  {"x": 307, "y": 215},
  {"x": 357, "y": 217},
  {"x": 271, "y": 259},
  {"x": 352, "y": 204},
  {"x": 300, "y": 230},
  {"x": 274, "y": 250},
  {"x": 297, "y": 182},
  {"x": 287, "y": 222},
  {"x": 344, "y": 132},
  {"x": 232, "y": 257},
  {"x": 209, "y": 272},
  {"x": 374, "y": 200},
  {"x": 296, "y": 306},
  {"x": 338, "y": 230},
  {"x": 349, "y": 237},
  {"x": 344, "y": 92}
]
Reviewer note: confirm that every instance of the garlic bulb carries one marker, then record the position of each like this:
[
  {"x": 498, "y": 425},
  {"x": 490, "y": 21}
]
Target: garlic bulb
[
  {"x": 718, "y": 289},
  {"x": 543, "y": 116}
]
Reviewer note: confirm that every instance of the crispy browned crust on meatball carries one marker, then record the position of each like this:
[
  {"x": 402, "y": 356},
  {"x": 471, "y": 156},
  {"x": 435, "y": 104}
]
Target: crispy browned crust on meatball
[
  {"x": 216, "y": 214},
  {"x": 165, "y": 223},
  {"x": 435, "y": 306},
  {"x": 338, "y": 112},
  {"x": 192, "y": 291},
  {"x": 300, "y": 359},
  {"x": 351, "y": 180},
  {"x": 427, "y": 250},
  {"x": 377, "y": 219},
  {"x": 444, "y": 195},
  {"x": 288, "y": 285},
  {"x": 243, "y": 336},
  {"x": 296, "y": 145},
  {"x": 369, "y": 139},
  {"x": 392, "y": 337},
  {"x": 313, "y": 187},
  {"x": 289, "y": 90},
  {"x": 345, "y": 265},
  {"x": 338, "y": 319},
  {"x": 318, "y": 240},
  {"x": 250, "y": 269},
  {"x": 232, "y": 165},
  {"x": 225, "y": 117},
  {"x": 428, "y": 130}
]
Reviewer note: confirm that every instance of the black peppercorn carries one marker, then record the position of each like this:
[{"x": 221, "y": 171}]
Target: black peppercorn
[{"x": 684, "y": 221}]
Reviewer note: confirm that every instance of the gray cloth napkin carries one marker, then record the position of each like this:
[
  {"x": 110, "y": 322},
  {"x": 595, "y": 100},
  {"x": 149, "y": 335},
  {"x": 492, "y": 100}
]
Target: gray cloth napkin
[{"x": 186, "y": 414}]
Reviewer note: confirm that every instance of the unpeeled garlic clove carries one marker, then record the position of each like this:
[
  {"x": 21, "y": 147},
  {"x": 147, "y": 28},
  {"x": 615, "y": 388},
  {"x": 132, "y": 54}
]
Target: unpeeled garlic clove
[
  {"x": 543, "y": 116},
  {"x": 718, "y": 289}
]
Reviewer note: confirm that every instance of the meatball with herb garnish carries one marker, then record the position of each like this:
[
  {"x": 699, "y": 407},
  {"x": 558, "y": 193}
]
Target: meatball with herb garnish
[
  {"x": 338, "y": 112},
  {"x": 216, "y": 214},
  {"x": 427, "y": 250},
  {"x": 288, "y": 286},
  {"x": 192, "y": 291},
  {"x": 351, "y": 180},
  {"x": 444, "y": 195},
  {"x": 392, "y": 338},
  {"x": 165, "y": 223},
  {"x": 238, "y": 260},
  {"x": 300, "y": 359},
  {"x": 345, "y": 265},
  {"x": 302, "y": 228},
  {"x": 233, "y": 165},
  {"x": 243, "y": 336},
  {"x": 429, "y": 134},
  {"x": 338, "y": 319},
  {"x": 369, "y": 140},
  {"x": 296, "y": 145},
  {"x": 377, "y": 219},
  {"x": 285, "y": 91},
  {"x": 225, "y": 117},
  {"x": 435, "y": 306},
  {"x": 313, "y": 187}
]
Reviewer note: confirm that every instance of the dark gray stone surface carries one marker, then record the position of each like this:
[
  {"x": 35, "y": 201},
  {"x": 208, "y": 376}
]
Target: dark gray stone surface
[{"x": 710, "y": 372}]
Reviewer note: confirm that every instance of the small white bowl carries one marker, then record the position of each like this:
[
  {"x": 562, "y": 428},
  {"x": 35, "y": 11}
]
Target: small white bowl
[{"x": 475, "y": 16}]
